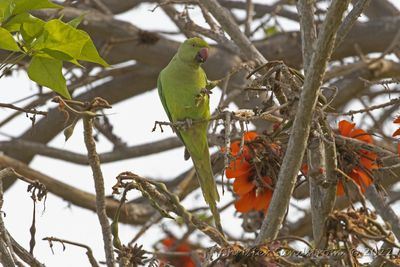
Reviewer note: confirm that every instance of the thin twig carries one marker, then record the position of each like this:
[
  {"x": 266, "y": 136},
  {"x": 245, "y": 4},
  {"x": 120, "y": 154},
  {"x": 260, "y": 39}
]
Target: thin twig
[
  {"x": 228, "y": 23},
  {"x": 352, "y": 112},
  {"x": 89, "y": 251},
  {"x": 32, "y": 111},
  {"x": 350, "y": 19}
]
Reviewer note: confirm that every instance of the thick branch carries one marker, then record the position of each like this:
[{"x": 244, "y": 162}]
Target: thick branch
[
  {"x": 18, "y": 146},
  {"x": 141, "y": 79},
  {"x": 132, "y": 213},
  {"x": 307, "y": 30},
  {"x": 381, "y": 8},
  {"x": 301, "y": 125}
]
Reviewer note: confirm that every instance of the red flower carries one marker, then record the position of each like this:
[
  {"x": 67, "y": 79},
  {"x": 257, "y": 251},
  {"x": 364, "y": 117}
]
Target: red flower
[
  {"x": 184, "y": 261},
  {"x": 360, "y": 177},
  {"x": 253, "y": 199},
  {"x": 242, "y": 170},
  {"x": 367, "y": 158},
  {"x": 396, "y": 133}
]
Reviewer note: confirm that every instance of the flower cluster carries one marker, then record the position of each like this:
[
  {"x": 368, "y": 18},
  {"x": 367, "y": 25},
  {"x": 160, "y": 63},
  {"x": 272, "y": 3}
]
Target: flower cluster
[
  {"x": 171, "y": 246},
  {"x": 253, "y": 188},
  {"x": 358, "y": 171},
  {"x": 397, "y": 133}
]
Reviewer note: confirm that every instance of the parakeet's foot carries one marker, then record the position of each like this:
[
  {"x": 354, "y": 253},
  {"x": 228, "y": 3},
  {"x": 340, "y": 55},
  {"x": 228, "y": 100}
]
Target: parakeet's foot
[
  {"x": 205, "y": 92},
  {"x": 189, "y": 122}
]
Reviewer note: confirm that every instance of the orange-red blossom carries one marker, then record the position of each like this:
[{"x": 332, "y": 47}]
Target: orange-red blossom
[
  {"x": 242, "y": 170},
  {"x": 183, "y": 261},
  {"x": 397, "y": 133},
  {"x": 367, "y": 158}
]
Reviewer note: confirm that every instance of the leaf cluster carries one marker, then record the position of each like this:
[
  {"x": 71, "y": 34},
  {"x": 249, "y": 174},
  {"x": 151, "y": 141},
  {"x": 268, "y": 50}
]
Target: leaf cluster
[{"x": 48, "y": 43}]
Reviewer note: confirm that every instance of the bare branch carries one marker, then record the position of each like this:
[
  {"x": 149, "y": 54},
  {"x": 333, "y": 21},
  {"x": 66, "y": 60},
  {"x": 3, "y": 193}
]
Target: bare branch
[
  {"x": 381, "y": 8},
  {"x": 307, "y": 30},
  {"x": 249, "y": 17},
  {"x": 19, "y": 145},
  {"x": 350, "y": 19},
  {"x": 393, "y": 101},
  {"x": 89, "y": 251},
  {"x": 6, "y": 249},
  {"x": 383, "y": 209},
  {"x": 262, "y": 9},
  {"x": 229, "y": 25},
  {"x": 301, "y": 125},
  {"x": 32, "y": 111},
  {"x": 94, "y": 163}
]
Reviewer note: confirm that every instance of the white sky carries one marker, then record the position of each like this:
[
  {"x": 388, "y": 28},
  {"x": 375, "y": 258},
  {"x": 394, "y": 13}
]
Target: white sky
[{"x": 78, "y": 224}]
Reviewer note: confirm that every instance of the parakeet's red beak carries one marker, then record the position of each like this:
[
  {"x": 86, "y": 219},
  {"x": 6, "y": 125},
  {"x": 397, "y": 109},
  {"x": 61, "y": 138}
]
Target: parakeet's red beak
[{"x": 202, "y": 55}]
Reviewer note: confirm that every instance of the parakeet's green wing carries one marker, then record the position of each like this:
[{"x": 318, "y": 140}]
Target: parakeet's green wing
[{"x": 160, "y": 93}]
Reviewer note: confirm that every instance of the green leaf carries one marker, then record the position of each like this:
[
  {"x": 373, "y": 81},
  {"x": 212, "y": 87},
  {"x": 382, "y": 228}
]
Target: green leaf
[
  {"x": 62, "y": 37},
  {"x": 48, "y": 53},
  {"x": 6, "y": 9},
  {"x": 76, "y": 21},
  {"x": 31, "y": 29},
  {"x": 27, "y": 5},
  {"x": 59, "y": 36},
  {"x": 57, "y": 54},
  {"x": 89, "y": 53},
  {"x": 7, "y": 41},
  {"x": 48, "y": 72},
  {"x": 14, "y": 23}
]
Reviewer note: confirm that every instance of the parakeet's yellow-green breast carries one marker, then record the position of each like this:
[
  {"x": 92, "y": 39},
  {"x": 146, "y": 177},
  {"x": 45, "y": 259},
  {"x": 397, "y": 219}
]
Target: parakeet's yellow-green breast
[{"x": 181, "y": 86}]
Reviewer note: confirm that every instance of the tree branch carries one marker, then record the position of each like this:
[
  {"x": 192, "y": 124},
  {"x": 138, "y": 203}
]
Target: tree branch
[
  {"x": 383, "y": 209},
  {"x": 20, "y": 146},
  {"x": 32, "y": 111},
  {"x": 94, "y": 163},
  {"x": 228, "y": 23},
  {"x": 132, "y": 213},
  {"x": 301, "y": 125},
  {"x": 6, "y": 249},
  {"x": 350, "y": 19}
]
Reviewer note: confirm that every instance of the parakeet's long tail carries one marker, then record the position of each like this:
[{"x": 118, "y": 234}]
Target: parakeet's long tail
[{"x": 208, "y": 186}]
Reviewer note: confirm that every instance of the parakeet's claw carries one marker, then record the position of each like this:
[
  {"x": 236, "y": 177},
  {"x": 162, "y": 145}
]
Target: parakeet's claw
[
  {"x": 202, "y": 95},
  {"x": 189, "y": 122},
  {"x": 199, "y": 99},
  {"x": 206, "y": 91}
]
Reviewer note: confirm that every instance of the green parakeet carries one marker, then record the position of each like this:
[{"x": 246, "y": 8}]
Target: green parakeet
[{"x": 182, "y": 88}]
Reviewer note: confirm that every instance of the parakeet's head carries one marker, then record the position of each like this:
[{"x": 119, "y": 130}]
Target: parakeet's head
[{"x": 193, "y": 51}]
